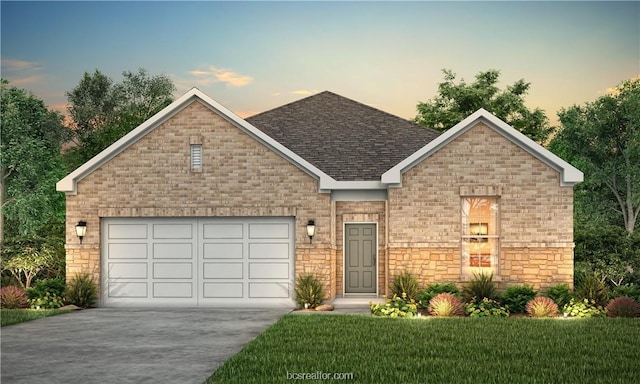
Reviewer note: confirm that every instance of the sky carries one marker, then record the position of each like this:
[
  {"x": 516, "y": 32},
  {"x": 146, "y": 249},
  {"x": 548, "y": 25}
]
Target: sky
[{"x": 254, "y": 56}]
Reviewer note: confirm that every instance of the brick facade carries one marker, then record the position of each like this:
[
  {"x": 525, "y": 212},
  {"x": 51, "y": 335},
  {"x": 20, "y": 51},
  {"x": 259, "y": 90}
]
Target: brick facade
[
  {"x": 240, "y": 177},
  {"x": 418, "y": 226},
  {"x": 536, "y": 213}
]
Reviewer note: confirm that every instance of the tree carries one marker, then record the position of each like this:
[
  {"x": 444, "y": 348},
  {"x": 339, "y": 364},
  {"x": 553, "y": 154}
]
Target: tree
[
  {"x": 102, "y": 111},
  {"x": 456, "y": 101},
  {"x": 30, "y": 164},
  {"x": 603, "y": 140},
  {"x": 26, "y": 259}
]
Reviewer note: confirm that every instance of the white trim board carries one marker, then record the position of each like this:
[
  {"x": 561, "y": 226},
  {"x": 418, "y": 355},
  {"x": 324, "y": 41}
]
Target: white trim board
[{"x": 569, "y": 175}]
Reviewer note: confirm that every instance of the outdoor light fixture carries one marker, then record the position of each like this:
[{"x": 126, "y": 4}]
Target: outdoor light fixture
[
  {"x": 81, "y": 229},
  {"x": 311, "y": 230}
]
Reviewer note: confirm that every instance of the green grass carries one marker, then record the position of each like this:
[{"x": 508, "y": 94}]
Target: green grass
[
  {"x": 430, "y": 350},
  {"x": 15, "y": 316}
]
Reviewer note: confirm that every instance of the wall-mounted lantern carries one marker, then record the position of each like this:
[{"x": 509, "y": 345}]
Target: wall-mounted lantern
[
  {"x": 81, "y": 230},
  {"x": 311, "y": 230}
]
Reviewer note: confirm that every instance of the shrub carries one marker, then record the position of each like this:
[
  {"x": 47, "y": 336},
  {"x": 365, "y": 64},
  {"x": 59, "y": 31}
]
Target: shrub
[
  {"x": 486, "y": 307},
  {"x": 47, "y": 294},
  {"x": 541, "y": 307},
  {"x": 53, "y": 285},
  {"x": 446, "y": 305},
  {"x": 47, "y": 301},
  {"x": 405, "y": 283},
  {"x": 623, "y": 307},
  {"x": 397, "y": 306},
  {"x": 12, "y": 297},
  {"x": 627, "y": 290},
  {"x": 309, "y": 291},
  {"x": 516, "y": 298},
  {"x": 82, "y": 291},
  {"x": 583, "y": 308},
  {"x": 480, "y": 287},
  {"x": 592, "y": 287},
  {"x": 560, "y": 294},
  {"x": 434, "y": 289}
]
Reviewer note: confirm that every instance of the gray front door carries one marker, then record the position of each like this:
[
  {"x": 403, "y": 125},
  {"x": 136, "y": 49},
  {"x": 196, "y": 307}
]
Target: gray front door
[{"x": 360, "y": 258}]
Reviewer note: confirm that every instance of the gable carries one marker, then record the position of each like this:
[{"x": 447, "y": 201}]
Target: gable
[
  {"x": 69, "y": 183},
  {"x": 569, "y": 175}
]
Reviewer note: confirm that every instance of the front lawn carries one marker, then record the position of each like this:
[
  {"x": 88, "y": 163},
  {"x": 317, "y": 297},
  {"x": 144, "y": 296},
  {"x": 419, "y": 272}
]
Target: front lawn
[
  {"x": 15, "y": 316},
  {"x": 439, "y": 350}
]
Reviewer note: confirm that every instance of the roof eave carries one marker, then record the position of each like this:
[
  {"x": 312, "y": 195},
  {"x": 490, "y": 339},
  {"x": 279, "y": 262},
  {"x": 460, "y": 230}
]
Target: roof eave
[
  {"x": 69, "y": 183},
  {"x": 569, "y": 175}
]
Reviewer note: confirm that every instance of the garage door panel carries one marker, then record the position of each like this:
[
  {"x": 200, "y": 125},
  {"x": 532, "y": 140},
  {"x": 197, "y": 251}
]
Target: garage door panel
[
  {"x": 127, "y": 231},
  {"x": 127, "y": 251},
  {"x": 269, "y": 251},
  {"x": 172, "y": 270},
  {"x": 198, "y": 261},
  {"x": 173, "y": 231},
  {"x": 172, "y": 250},
  {"x": 269, "y": 231},
  {"x": 223, "y": 290},
  {"x": 223, "y": 270},
  {"x": 127, "y": 271},
  {"x": 173, "y": 290},
  {"x": 223, "y": 231},
  {"x": 223, "y": 251},
  {"x": 268, "y": 290},
  {"x": 127, "y": 290},
  {"x": 268, "y": 270}
]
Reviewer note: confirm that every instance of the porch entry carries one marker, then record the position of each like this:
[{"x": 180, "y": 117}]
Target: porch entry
[{"x": 360, "y": 256}]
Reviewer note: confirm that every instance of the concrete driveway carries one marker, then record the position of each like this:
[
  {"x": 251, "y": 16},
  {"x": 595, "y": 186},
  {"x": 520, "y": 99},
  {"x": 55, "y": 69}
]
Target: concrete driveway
[{"x": 108, "y": 345}]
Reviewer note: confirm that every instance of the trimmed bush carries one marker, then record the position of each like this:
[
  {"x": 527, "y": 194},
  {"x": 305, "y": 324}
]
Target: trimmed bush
[
  {"x": 434, "y": 289},
  {"x": 309, "y": 291},
  {"x": 47, "y": 293},
  {"x": 479, "y": 288},
  {"x": 623, "y": 307},
  {"x": 397, "y": 306},
  {"x": 13, "y": 297},
  {"x": 541, "y": 307},
  {"x": 583, "y": 308},
  {"x": 627, "y": 290},
  {"x": 445, "y": 305},
  {"x": 485, "y": 308},
  {"x": 405, "y": 283},
  {"x": 560, "y": 294},
  {"x": 516, "y": 297},
  {"x": 593, "y": 288},
  {"x": 82, "y": 291}
]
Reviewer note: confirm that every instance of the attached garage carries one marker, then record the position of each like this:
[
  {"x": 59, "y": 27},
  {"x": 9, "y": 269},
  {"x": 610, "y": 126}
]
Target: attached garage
[{"x": 198, "y": 261}]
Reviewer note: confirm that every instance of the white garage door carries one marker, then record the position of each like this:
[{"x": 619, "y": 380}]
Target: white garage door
[{"x": 197, "y": 262}]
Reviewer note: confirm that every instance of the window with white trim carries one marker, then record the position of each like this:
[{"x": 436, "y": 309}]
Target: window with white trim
[
  {"x": 480, "y": 235},
  {"x": 196, "y": 157}
]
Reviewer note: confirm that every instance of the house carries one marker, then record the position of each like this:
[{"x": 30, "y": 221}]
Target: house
[{"x": 198, "y": 207}]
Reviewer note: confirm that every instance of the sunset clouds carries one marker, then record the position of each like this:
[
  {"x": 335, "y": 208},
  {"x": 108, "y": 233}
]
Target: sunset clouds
[{"x": 215, "y": 74}]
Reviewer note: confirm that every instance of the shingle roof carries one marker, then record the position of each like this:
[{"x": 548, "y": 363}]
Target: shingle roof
[{"x": 347, "y": 140}]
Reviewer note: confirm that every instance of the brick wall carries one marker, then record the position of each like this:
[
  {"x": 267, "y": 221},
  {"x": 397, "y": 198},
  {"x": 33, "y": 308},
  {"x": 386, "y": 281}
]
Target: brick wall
[
  {"x": 240, "y": 177},
  {"x": 536, "y": 213}
]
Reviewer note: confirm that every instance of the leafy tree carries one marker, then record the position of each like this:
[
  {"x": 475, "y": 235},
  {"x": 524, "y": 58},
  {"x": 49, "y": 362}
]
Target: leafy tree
[
  {"x": 30, "y": 164},
  {"x": 603, "y": 140},
  {"x": 456, "y": 101},
  {"x": 25, "y": 259},
  {"x": 103, "y": 111}
]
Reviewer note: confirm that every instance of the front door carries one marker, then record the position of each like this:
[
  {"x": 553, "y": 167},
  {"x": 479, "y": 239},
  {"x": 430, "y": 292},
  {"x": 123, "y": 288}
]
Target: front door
[{"x": 360, "y": 258}]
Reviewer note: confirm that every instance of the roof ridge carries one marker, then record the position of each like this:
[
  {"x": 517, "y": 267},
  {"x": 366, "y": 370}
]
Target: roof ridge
[{"x": 289, "y": 103}]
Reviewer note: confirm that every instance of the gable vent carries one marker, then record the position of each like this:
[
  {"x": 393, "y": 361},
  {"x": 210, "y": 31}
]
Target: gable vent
[{"x": 196, "y": 156}]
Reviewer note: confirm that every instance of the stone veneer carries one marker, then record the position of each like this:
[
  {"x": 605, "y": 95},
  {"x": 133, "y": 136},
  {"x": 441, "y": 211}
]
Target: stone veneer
[
  {"x": 536, "y": 213},
  {"x": 240, "y": 177},
  {"x": 418, "y": 226}
]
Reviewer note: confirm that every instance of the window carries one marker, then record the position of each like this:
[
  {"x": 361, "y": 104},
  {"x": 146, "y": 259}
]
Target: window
[
  {"x": 196, "y": 157},
  {"x": 480, "y": 235}
]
